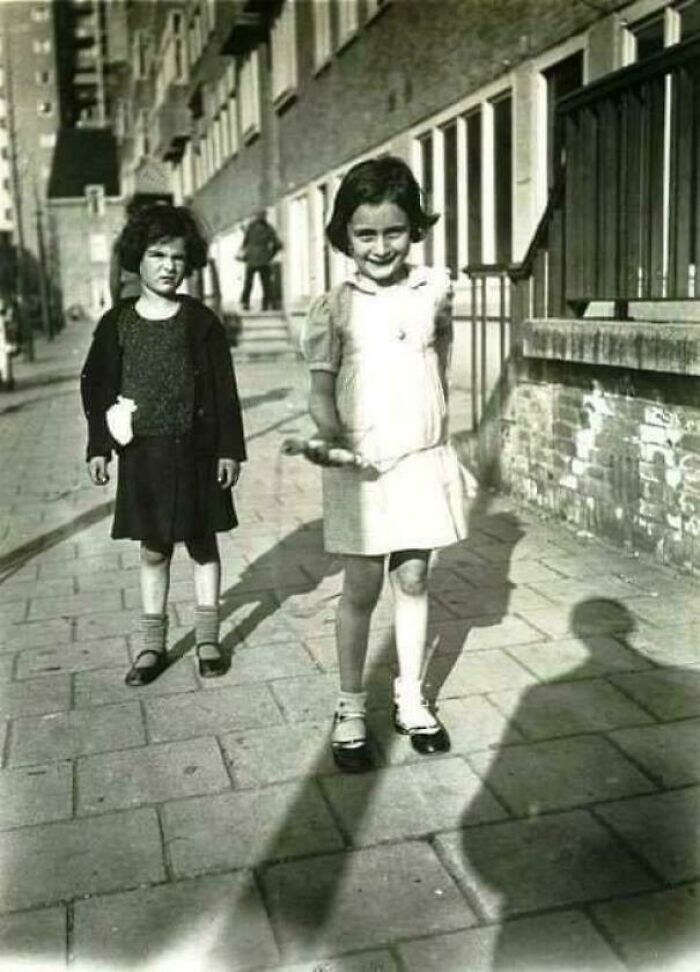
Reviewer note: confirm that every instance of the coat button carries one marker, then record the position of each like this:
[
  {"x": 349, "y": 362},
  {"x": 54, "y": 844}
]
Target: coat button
[
  {"x": 200, "y": 412},
  {"x": 401, "y": 335}
]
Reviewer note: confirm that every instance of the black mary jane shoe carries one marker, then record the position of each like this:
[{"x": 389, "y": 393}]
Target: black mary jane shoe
[
  {"x": 145, "y": 674},
  {"x": 425, "y": 741},
  {"x": 352, "y": 757},
  {"x": 211, "y": 667}
]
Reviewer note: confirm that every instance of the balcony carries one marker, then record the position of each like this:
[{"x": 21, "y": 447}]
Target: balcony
[{"x": 248, "y": 21}]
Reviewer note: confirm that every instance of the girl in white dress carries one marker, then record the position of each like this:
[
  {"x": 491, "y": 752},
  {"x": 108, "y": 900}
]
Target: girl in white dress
[{"x": 378, "y": 348}]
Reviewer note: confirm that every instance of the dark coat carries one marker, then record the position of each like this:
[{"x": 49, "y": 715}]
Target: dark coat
[
  {"x": 260, "y": 243},
  {"x": 217, "y": 423}
]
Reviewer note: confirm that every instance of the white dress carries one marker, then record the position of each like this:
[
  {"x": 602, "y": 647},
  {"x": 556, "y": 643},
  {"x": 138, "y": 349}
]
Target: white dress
[{"x": 385, "y": 345}]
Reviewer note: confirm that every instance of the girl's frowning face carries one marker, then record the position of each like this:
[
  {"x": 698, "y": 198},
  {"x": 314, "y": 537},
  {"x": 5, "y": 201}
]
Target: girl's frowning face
[
  {"x": 379, "y": 237},
  {"x": 163, "y": 265}
]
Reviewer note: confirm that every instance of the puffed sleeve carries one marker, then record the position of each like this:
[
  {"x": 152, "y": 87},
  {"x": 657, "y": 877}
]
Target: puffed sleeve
[{"x": 320, "y": 339}]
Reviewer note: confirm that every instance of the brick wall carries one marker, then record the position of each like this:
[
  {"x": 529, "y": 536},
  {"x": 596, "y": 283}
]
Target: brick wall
[{"x": 614, "y": 452}]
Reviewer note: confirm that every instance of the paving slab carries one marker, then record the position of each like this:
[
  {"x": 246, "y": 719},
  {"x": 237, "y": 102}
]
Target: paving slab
[
  {"x": 54, "y": 862},
  {"x": 564, "y": 942},
  {"x": 670, "y": 693},
  {"x": 75, "y": 605},
  {"x": 557, "y": 774},
  {"x": 314, "y": 697},
  {"x": 569, "y": 708},
  {"x": 474, "y": 673},
  {"x": 265, "y": 663},
  {"x": 37, "y": 634},
  {"x": 655, "y": 931},
  {"x": 370, "y": 961},
  {"x": 669, "y": 754},
  {"x": 568, "y": 659},
  {"x": 530, "y": 865},
  {"x": 363, "y": 899},
  {"x": 84, "y": 656},
  {"x": 106, "y": 685},
  {"x": 682, "y": 647},
  {"x": 63, "y": 735},
  {"x": 472, "y": 723},
  {"x": 204, "y": 713},
  {"x": 149, "y": 774},
  {"x": 245, "y": 829},
  {"x": 257, "y": 757},
  {"x": 663, "y": 829},
  {"x": 36, "y": 794},
  {"x": 407, "y": 801},
  {"x": 34, "y": 940},
  {"x": 214, "y": 924},
  {"x": 23, "y": 589},
  {"x": 480, "y": 633},
  {"x": 35, "y": 696}
]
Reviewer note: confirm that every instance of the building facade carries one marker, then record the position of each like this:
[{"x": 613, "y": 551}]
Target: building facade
[{"x": 254, "y": 104}]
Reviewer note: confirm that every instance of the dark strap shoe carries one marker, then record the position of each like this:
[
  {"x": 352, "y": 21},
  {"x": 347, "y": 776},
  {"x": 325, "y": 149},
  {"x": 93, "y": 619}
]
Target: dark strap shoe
[{"x": 145, "y": 674}]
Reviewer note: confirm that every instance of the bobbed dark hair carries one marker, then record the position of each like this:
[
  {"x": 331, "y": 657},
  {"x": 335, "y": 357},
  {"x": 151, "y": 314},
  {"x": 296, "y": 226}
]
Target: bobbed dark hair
[
  {"x": 159, "y": 221},
  {"x": 374, "y": 181}
]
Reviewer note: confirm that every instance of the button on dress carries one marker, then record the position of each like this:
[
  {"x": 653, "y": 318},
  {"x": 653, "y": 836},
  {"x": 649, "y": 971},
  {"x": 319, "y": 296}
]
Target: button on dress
[{"x": 384, "y": 345}]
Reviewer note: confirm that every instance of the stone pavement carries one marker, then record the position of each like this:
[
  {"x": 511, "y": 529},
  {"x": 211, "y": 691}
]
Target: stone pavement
[{"x": 202, "y": 826}]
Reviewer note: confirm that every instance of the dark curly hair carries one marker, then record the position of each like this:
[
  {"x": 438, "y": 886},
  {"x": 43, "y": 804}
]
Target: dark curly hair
[
  {"x": 159, "y": 221},
  {"x": 374, "y": 181}
]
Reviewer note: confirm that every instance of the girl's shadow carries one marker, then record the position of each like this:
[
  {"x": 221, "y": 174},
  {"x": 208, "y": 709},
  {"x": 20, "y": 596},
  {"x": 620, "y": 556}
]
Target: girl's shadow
[
  {"x": 586, "y": 824},
  {"x": 293, "y": 567}
]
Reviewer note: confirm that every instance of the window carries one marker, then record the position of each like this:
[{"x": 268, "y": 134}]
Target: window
[
  {"x": 40, "y": 13},
  {"x": 41, "y": 46},
  {"x": 45, "y": 108},
  {"x": 43, "y": 77},
  {"x": 250, "y": 96},
  {"x": 646, "y": 37},
  {"x": 503, "y": 177},
  {"x": 47, "y": 140},
  {"x": 561, "y": 79},
  {"x": 474, "y": 188},
  {"x": 451, "y": 207},
  {"x": 322, "y": 32},
  {"x": 690, "y": 19},
  {"x": 347, "y": 20},
  {"x": 284, "y": 54},
  {"x": 139, "y": 56}
]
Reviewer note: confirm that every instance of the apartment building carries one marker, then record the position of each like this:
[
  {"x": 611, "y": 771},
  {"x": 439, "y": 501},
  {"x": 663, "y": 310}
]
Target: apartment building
[{"x": 530, "y": 125}]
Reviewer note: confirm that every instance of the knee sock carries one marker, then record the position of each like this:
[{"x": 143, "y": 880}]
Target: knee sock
[
  {"x": 206, "y": 625},
  {"x": 151, "y": 631}
]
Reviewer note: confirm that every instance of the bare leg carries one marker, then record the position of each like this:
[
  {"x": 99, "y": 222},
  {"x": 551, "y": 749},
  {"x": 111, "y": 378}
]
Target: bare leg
[
  {"x": 206, "y": 573},
  {"x": 408, "y": 572},
  {"x": 155, "y": 576},
  {"x": 362, "y": 585}
]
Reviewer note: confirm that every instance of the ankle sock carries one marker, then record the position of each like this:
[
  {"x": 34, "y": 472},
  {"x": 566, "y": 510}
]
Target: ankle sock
[
  {"x": 206, "y": 625},
  {"x": 151, "y": 632}
]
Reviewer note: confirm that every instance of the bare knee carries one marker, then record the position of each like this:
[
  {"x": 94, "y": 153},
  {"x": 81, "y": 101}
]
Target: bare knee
[
  {"x": 155, "y": 555},
  {"x": 204, "y": 551},
  {"x": 411, "y": 577}
]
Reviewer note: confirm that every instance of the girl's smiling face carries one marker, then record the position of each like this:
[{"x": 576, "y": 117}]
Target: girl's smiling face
[
  {"x": 379, "y": 238},
  {"x": 163, "y": 265}
]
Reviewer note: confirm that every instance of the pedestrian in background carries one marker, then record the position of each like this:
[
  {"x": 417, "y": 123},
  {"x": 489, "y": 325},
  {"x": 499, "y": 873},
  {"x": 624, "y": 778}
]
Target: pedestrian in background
[
  {"x": 177, "y": 428},
  {"x": 378, "y": 348},
  {"x": 259, "y": 247}
]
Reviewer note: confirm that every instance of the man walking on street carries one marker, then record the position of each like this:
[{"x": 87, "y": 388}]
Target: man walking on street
[{"x": 259, "y": 247}]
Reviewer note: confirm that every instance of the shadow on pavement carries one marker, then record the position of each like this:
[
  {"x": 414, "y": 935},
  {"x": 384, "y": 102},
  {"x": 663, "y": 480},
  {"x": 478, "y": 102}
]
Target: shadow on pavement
[
  {"x": 13, "y": 561},
  {"x": 591, "y": 826}
]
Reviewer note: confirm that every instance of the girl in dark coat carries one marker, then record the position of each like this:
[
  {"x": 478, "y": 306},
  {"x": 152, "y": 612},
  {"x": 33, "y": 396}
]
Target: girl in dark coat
[{"x": 180, "y": 441}]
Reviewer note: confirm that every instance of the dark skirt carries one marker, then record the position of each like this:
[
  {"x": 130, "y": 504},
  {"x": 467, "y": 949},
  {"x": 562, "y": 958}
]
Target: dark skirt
[{"x": 167, "y": 493}]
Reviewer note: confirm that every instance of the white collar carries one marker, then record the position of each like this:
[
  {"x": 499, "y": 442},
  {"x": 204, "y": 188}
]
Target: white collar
[{"x": 416, "y": 277}]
